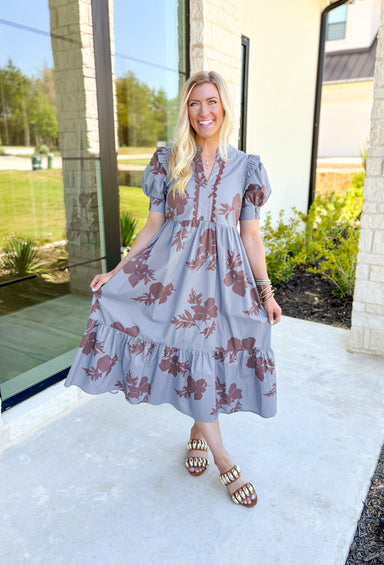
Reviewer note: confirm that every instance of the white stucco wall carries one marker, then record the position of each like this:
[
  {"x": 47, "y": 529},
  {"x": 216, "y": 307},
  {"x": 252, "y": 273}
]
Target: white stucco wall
[
  {"x": 363, "y": 19},
  {"x": 281, "y": 93},
  {"x": 345, "y": 118}
]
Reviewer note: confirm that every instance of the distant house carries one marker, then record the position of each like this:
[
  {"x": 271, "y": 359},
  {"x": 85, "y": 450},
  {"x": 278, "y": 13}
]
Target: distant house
[{"x": 347, "y": 92}]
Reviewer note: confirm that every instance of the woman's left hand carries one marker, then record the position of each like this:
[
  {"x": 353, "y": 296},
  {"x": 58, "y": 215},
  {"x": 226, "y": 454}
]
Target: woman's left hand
[{"x": 273, "y": 310}]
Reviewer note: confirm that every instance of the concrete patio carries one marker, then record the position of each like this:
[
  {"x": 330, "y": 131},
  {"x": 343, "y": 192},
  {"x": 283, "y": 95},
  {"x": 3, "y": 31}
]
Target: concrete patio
[{"x": 105, "y": 483}]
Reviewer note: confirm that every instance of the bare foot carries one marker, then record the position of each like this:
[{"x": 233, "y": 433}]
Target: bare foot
[{"x": 197, "y": 453}]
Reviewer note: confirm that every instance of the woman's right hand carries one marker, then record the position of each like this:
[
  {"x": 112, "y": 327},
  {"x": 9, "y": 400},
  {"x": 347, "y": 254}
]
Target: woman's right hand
[{"x": 100, "y": 280}]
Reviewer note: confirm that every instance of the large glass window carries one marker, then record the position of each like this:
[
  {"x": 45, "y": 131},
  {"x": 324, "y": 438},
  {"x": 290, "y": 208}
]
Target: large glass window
[
  {"x": 52, "y": 231},
  {"x": 150, "y": 68},
  {"x": 336, "y": 23}
]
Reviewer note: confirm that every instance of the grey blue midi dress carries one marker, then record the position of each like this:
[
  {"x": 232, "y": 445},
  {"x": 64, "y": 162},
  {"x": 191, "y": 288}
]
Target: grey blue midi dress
[{"x": 182, "y": 322}]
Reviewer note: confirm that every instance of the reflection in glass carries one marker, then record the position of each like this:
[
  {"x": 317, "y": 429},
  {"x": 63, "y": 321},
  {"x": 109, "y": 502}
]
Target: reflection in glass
[
  {"x": 32, "y": 231},
  {"x": 150, "y": 69},
  {"x": 41, "y": 319}
]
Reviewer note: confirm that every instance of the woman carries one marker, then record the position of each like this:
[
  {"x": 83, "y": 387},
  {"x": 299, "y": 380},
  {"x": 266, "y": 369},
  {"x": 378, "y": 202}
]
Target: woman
[{"x": 186, "y": 316}]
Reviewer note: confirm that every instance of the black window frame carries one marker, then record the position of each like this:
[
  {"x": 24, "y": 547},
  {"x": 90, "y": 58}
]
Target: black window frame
[{"x": 245, "y": 45}]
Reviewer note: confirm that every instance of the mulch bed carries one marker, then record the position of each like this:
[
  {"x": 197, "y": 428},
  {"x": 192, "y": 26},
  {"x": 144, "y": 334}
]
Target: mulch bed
[
  {"x": 309, "y": 297},
  {"x": 368, "y": 544}
]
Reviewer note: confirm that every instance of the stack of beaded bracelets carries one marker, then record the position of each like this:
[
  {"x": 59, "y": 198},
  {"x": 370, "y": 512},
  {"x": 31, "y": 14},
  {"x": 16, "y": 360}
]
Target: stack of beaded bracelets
[{"x": 266, "y": 293}]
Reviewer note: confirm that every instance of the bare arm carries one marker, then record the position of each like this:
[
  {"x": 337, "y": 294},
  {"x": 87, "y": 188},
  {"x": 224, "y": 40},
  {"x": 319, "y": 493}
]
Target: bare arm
[
  {"x": 254, "y": 248},
  {"x": 154, "y": 222}
]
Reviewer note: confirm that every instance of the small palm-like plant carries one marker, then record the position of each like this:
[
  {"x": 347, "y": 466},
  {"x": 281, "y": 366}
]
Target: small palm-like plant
[
  {"x": 128, "y": 225},
  {"x": 21, "y": 257}
]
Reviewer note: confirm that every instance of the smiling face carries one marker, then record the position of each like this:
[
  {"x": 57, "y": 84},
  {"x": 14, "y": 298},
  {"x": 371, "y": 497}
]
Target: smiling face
[{"x": 206, "y": 112}]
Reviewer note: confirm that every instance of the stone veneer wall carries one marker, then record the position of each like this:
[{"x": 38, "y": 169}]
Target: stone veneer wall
[
  {"x": 215, "y": 44},
  {"x": 75, "y": 84},
  {"x": 367, "y": 333}
]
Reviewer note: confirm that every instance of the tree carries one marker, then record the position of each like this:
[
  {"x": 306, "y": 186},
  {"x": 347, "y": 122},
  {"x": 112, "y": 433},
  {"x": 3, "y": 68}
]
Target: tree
[
  {"x": 14, "y": 90},
  {"x": 42, "y": 112},
  {"x": 27, "y": 107},
  {"x": 141, "y": 112}
]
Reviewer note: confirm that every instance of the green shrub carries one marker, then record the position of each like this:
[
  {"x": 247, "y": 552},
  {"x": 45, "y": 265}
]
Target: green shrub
[
  {"x": 284, "y": 244},
  {"x": 331, "y": 214},
  {"x": 42, "y": 149},
  {"x": 336, "y": 261},
  {"x": 332, "y": 228},
  {"x": 128, "y": 224},
  {"x": 358, "y": 180},
  {"x": 363, "y": 154},
  {"x": 325, "y": 240},
  {"x": 21, "y": 257}
]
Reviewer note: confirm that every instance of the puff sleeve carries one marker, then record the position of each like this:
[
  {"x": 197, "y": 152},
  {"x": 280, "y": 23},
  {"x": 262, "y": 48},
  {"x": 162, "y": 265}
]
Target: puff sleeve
[
  {"x": 155, "y": 179},
  {"x": 257, "y": 189}
]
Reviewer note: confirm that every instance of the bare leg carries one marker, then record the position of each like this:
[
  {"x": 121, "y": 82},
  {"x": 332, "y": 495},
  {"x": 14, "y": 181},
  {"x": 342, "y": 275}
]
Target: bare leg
[{"x": 212, "y": 435}]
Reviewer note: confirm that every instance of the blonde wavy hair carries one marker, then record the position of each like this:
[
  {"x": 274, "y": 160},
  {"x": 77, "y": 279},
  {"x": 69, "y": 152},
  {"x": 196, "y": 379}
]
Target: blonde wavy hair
[{"x": 184, "y": 148}]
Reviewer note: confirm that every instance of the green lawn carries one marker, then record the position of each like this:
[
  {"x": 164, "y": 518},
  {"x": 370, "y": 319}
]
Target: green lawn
[
  {"x": 133, "y": 198},
  {"x": 136, "y": 150},
  {"x": 133, "y": 161},
  {"x": 31, "y": 204}
]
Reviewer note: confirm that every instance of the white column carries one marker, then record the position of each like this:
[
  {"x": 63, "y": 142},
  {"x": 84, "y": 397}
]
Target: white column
[
  {"x": 215, "y": 44},
  {"x": 367, "y": 334}
]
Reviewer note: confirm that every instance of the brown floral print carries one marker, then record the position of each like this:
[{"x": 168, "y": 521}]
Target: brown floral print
[
  {"x": 103, "y": 367},
  {"x": 272, "y": 392},
  {"x": 181, "y": 235},
  {"x": 159, "y": 201},
  {"x": 255, "y": 308},
  {"x": 213, "y": 193},
  {"x": 133, "y": 389},
  {"x": 156, "y": 292},
  {"x": 195, "y": 388},
  {"x": 226, "y": 398},
  {"x": 206, "y": 252},
  {"x": 200, "y": 181},
  {"x": 138, "y": 270},
  {"x": 235, "y": 277},
  {"x": 89, "y": 344},
  {"x": 96, "y": 304},
  {"x": 140, "y": 346},
  {"x": 226, "y": 209},
  {"x": 262, "y": 366},
  {"x": 170, "y": 363},
  {"x": 156, "y": 167},
  {"x": 176, "y": 204},
  {"x": 202, "y": 314},
  {"x": 255, "y": 195},
  {"x": 132, "y": 331}
]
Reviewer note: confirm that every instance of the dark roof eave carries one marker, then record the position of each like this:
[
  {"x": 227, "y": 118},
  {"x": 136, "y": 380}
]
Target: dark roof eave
[{"x": 351, "y": 65}]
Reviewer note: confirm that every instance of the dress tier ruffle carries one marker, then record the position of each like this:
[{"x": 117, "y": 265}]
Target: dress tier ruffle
[{"x": 182, "y": 322}]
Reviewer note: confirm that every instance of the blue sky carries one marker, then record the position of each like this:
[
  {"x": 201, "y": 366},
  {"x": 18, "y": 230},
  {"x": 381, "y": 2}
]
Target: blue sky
[
  {"x": 144, "y": 29},
  {"x": 27, "y": 50}
]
